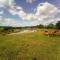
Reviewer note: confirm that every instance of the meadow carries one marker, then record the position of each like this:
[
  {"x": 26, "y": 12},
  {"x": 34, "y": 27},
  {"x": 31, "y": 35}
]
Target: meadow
[{"x": 29, "y": 46}]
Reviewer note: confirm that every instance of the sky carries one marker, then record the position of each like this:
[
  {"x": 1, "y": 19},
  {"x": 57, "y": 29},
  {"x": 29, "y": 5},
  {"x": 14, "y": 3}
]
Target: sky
[{"x": 18, "y": 13}]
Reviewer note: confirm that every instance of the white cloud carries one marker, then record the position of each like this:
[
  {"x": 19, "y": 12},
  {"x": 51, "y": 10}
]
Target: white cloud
[
  {"x": 12, "y": 12},
  {"x": 46, "y": 10},
  {"x": 18, "y": 8},
  {"x": 8, "y": 4},
  {"x": 43, "y": 11},
  {"x": 1, "y": 12},
  {"x": 10, "y": 22},
  {"x": 2, "y": 3},
  {"x": 30, "y": 1},
  {"x": 0, "y": 18},
  {"x": 13, "y": 22}
]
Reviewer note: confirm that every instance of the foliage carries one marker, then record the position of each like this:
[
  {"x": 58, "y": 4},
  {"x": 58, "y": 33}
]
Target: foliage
[
  {"x": 32, "y": 46},
  {"x": 50, "y": 26},
  {"x": 40, "y": 26},
  {"x": 58, "y": 25}
]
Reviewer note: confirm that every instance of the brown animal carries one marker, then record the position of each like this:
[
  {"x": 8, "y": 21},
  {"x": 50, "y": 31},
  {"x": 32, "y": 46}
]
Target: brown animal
[
  {"x": 57, "y": 33},
  {"x": 46, "y": 33},
  {"x": 50, "y": 33}
]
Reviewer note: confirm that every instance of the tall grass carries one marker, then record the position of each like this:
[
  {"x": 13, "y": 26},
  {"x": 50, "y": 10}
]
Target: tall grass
[{"x": 29, "y": 46}]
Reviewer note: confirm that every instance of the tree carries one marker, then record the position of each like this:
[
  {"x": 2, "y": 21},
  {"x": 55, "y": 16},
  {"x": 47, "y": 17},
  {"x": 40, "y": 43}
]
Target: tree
[
  {"x": 58, "y": 25},
  {"x": 50, "y": 26},
  {"x": 40, "y": 26},
  {"x": 1, "y": 28}
]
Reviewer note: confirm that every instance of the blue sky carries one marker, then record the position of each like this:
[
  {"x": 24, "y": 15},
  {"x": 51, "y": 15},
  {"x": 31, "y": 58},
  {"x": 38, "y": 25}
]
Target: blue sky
[
  {"x": 29, "y": 7},
  {"x": 29, "y": 12}
]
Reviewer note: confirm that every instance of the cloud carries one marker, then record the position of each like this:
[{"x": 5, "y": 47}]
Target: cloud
[
  {"x": 10, "y": 22},
  {"x": 1, "y": 12},
  {"x": 30, "y": 1},
  {"x": 2, "y": 3},
  {"x": 6, "y": 3},
  {"x": 46, "y": 10},
  {"x": 14, "y": 23},
  {"x": 0, "y": 18},
  {"x": 43, "y": 11}
]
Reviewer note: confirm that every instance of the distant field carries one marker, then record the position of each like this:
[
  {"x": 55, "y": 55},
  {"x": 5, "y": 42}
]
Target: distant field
[{"x": 29, "y": 46}]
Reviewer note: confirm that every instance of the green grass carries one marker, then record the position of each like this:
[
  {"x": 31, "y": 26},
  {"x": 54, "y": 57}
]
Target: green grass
[{"x": 29, "y": 46}]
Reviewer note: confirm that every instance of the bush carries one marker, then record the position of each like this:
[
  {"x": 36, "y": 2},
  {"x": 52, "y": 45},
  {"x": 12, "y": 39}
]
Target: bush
[{"x": 58, "y": 25}]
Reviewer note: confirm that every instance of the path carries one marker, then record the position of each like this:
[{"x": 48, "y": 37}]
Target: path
[{"x": 24, "y": 31}]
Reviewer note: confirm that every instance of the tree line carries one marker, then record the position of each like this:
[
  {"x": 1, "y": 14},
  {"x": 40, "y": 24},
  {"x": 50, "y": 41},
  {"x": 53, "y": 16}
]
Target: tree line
[{"x": 50, "y": 26}]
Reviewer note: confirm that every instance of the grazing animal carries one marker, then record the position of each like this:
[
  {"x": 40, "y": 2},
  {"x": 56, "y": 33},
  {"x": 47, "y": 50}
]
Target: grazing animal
[
  {"x": 46, "y": 33},
  {"x": 51, "y": 33}
]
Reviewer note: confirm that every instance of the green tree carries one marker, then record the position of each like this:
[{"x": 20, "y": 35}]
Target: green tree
[
  {"x": 40, "y": 26},
  {"x": 58, "y": 25},
  {"x": 50, "y": 26}
]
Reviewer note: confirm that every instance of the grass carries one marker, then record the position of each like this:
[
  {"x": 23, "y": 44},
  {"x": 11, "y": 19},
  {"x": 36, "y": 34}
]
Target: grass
[{"x": 29, "y": 46}]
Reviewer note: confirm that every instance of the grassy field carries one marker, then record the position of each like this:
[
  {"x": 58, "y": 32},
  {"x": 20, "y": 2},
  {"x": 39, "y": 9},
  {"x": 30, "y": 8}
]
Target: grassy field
[{"x": 29, "y": 46}]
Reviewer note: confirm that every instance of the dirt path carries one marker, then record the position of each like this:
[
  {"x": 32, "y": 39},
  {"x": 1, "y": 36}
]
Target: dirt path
[{"x": 24, "y": 31}]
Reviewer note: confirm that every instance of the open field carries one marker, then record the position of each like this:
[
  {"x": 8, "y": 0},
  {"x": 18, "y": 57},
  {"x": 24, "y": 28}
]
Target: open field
[{"x": 29, "y": 46}]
